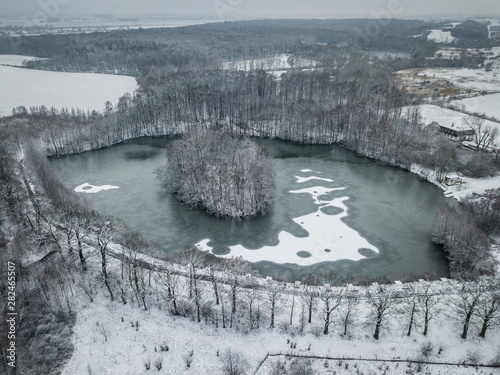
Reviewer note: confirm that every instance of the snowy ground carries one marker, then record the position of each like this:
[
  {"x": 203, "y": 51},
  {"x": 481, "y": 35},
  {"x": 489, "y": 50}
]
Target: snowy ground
[
  {"x": 447, "y": 117},
  {"x": 440, "y": 36},
  {"x": 474, "y": 185},
  {"x": 472, "y": 79},
  {"x": 85, "y": 91},
  {"x": 488, "y": 105},
  {"x": 16, "y": 60},
  {"x": 470, "y": 185},
  {"x": 111, "y": 338}
]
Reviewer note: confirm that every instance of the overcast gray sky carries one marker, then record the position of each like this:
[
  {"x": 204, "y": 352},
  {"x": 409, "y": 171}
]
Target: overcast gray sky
[{"x": 254, "y": 8}]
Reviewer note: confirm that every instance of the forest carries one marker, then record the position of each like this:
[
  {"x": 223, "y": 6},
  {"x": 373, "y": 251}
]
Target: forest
[{"x": 219, "y": 172}]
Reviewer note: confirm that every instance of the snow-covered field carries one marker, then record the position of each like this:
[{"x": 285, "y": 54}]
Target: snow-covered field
[
  {"x": 473, "y": 79},
  {"x": 447, "y": 117},
  {"x": 16, "y": 60},
  {"x": 488, "y": 105},
  {"x": 440, "y": 36},
  {"x": 329, "y": 238},
  {"x": 84, "y": 91}
]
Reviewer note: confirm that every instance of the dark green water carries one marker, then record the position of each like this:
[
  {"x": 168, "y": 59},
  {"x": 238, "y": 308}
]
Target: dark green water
[{"x": 376, "y": 219}]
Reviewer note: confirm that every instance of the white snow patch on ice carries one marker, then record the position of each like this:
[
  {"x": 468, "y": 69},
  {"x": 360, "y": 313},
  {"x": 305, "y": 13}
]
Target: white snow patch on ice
[
  {"x": 305, "y": 179},
  {"x": 329, "y": 239},
  {"x": 86, "y": 91},
  {"x": 440, "y": 36},
  {"x": 91, "y": 189},
  {"x": 308, "y": 170},
  {"x": 474, "y": 185}
]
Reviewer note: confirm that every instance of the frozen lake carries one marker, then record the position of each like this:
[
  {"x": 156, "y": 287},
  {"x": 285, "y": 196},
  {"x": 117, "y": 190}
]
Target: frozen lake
[
  {"x": 86, "y": 91},
  {"x": 334, "y": 211}
]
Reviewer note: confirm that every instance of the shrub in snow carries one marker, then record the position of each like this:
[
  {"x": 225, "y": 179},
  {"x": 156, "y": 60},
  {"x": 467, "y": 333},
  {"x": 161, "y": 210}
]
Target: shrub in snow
[
  {"x": 426, "y": 349},
  {"x": 224, "y": 174},
  {"x": 158, "y": 363},
  {"x": 234, "y": 363},
  {"x": 473, "y": 357},
  {"x": 189, "y": 358},
  {"x": 301, "y": 367},
  {"x": 147, "y": 364},
  {"x": 277, "y": 368}
]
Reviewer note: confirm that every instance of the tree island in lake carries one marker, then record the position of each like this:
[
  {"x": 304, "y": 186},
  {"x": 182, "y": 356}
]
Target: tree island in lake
[{"x": 224, "y": 174}]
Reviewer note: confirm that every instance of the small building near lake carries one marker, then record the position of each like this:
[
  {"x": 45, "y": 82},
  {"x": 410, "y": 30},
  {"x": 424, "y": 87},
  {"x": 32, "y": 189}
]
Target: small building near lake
[{"x": 453, "y": 180}]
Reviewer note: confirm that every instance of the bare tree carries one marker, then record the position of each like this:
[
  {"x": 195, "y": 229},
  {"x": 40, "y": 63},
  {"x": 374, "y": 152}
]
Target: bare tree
[
  {"x": 172, "y": 281},
  {"x": 489, "y": 305},
  {"x": 348, "y": 309},
  {"x": 380, "y": 303},
  {"x": 237, "y": 272},
  {"x": 214, "y": 268},
  {"x": 104, "y": 235},
  {"x": 331, "y": 298},
  {"x": 484, "y": 135},
  {"x": 308, "y": 295},
  {"x": 81, "y": 224},
  {"x": 428, "y": 301},
  {"x": 136, "y": 271},
  {"x": 234, "y": 363},
  {"x": 194, "y": 260},
  {"x": 410, "y": 305},
  {"x": 273, "y": 291},
  {"x": 253, "y": 297},
  {"x": 468, "y": 300}
]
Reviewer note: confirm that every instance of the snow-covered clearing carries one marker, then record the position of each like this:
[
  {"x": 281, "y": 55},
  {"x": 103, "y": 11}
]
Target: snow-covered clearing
[
  {"x": 473, "y": 79},
  {"x": 474, "y": 185},
  {"x": 16, "y": 60},
  {"x": 440, "y": 36},
  {"x": 281, "y": 63},
  {"x": 329, "y": 239},
  {"x": 111, "y": 338},
  {"x": 488, "y": 105},
  {"x": 447, "y": 117},
  {"x": 84, "y": 91},
  {"x": 107, "y": 344},
  {"x": 469, "y": 186}
]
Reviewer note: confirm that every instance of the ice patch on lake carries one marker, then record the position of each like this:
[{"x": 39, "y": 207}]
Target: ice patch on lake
[
  {"x": 305, "y": 179},
  {"x": 329, "y": 239},
  {"x": 91, "y": 189}
]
